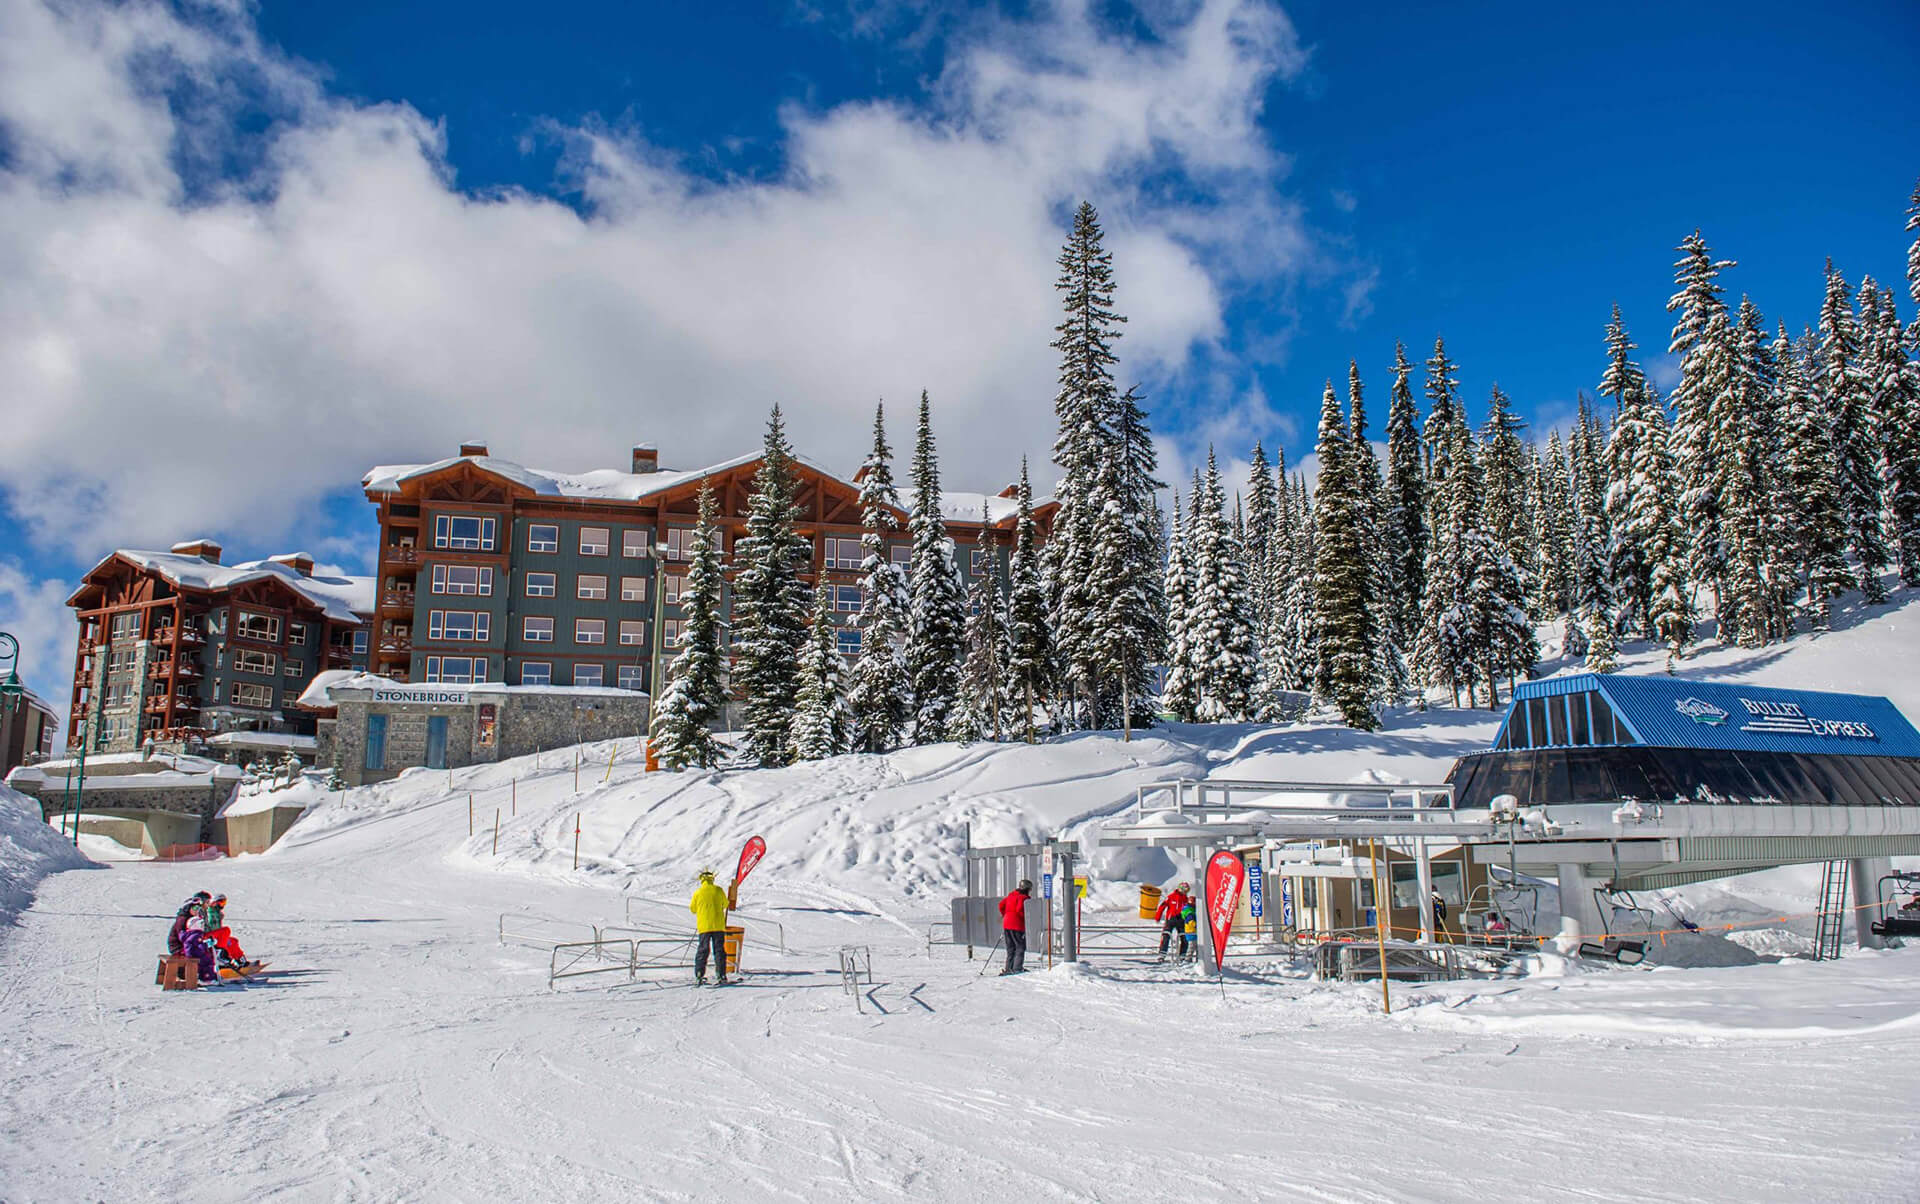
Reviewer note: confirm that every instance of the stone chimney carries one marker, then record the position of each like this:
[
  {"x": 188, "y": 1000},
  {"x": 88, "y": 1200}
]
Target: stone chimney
[
  {"x": 299, "y": 562},
  {"x": 473, "y": 448},
  {"x": 205, "y": 549},
  {"x": 646, "y": 458}
]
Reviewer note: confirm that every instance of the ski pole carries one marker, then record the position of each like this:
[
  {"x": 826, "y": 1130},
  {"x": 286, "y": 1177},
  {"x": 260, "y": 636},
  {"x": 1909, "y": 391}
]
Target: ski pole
[{"x": 988, "y": 960}]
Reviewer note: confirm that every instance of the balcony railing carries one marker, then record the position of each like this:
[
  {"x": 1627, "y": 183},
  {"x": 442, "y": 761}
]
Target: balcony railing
[
  {"x": 400, "y": 555},
  {"x": 398, "y": 600},
  {"x": 397, "y": 643}
]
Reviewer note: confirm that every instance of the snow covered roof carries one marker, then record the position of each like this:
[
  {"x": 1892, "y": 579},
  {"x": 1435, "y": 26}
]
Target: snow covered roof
[
  {"x": 339, "y": 597},
  {"x": 603, "y": 484},
  {"x": 967, "y": 507},
  {"x": 289, "y": 740},
  {"x": 317, "y": 696}
]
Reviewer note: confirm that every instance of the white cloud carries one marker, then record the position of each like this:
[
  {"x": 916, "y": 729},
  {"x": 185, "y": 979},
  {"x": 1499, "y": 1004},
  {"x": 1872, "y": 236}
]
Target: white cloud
[{"x": 195, "y": 354}]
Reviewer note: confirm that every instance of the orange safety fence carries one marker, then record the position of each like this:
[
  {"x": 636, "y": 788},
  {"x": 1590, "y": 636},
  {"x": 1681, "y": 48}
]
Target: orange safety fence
[{"x": 190, "y": 852}]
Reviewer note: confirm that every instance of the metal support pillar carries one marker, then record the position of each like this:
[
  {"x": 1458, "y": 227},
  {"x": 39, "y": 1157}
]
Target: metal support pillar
[
  {"x": 1866, "y": 875},
  {"x": 1424, "y": 866},
  {"x": 1576, "y": 900}
]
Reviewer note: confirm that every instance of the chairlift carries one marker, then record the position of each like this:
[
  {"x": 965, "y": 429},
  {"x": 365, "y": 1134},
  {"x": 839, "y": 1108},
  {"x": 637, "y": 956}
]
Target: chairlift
[
  {"x": 1516, "y": 904},
  {"x": 1903, "y": 920},
  {"x": 1618, "y": 905}
]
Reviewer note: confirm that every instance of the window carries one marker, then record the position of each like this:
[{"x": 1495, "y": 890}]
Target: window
[
  {"x": 843, "y": 553},
  {"x": 456, "y": 670},
  {"x": 460, "y": 626},
  {"x": 633, "y": 589},
  {"x": 846, "y": 599},
  {"x": 902, "y": 554},
  {"x": 297, "y": 634},
  {"x": 982, "y": 560},
  {"x": 589, "y": 631},
  {"x": 846, "y": 641},
  {"x": 250, "y": 626},
  {"x": 543, "y": 537},
  {"x": 360, "y": 642},
  {"x": 120, "y": 694},
  {"x": 593, "y": 541},
  {"x": 463, "y": 532},
  {"x": 463, "y": 579},
  {"x": 126, "y": 626},
  {"x": 252, "y": 694},
  {"x": 675, "y": 587},
  {"x": 247, "y": 660},
  {"x": 633, "y": 677},
  {"x": 589, "y": 585},
  {"x": 291, "y": 668},
  {"x": 537, "y": 629},
  {"x": 670, "y": 631},
  {"x": 216, "y": 622},
  {"x": 589, "y": 675},
  {"x": 633, "y": 632},
  {"x": 116, "y": 727},
  {"x": 120, "y": 661},
  {"x": 680, "y": 543},
  {"x": 536, "y": 673},
  {"x": 635, "y": 542},
  {"x": 541, "y": 585}
]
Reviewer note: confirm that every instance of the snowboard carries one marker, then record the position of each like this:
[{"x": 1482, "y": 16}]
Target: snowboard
[{"x": 229, "y": 973}]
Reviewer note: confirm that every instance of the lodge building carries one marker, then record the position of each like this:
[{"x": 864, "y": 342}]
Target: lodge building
[
  {"x": 490, "y": 571},
  {"x": 174, "y": 646}
]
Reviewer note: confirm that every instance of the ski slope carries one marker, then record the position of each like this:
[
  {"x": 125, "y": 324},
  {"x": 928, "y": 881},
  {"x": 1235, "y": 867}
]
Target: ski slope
[{"x": 400, "y": 1051}]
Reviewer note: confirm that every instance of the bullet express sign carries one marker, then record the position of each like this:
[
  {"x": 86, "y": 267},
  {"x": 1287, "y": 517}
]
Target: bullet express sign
[{"x": 1226, "y": 874}]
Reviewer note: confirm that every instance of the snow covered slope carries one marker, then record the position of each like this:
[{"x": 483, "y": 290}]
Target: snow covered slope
[{"x": 29, "y": 851}]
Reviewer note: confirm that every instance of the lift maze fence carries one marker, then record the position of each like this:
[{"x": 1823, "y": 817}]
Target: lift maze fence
[{"x": 654, "y": 936}]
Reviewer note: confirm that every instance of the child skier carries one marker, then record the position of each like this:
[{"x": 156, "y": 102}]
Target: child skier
[
  {"x": 193, "y": 943},
  {"x": 221, "y": 937},
  {"x": 176, "y": 934},
  {"x": 1172, "y": 916}
]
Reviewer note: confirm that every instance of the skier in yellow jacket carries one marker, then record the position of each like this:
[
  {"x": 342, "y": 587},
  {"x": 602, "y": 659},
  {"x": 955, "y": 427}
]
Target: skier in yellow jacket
[{"x": 709, "y": 908}]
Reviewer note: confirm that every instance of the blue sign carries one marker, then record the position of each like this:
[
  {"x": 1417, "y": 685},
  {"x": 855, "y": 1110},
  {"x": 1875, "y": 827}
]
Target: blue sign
[
  {"x": 1286, "y": 902},
  {"x": 1046, "y": 886},
  {"x": 1255, "y": 899}
]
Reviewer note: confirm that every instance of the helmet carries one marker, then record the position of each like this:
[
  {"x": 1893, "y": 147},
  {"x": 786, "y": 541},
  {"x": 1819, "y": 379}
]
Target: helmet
[
  {"x": 706, "y": 875},
  {"x": 1026, "y": 884},
  {"x": 203, "y": 896},
  {"x": 219, "y": 898},
  {"x": 1184, "y": 886}
]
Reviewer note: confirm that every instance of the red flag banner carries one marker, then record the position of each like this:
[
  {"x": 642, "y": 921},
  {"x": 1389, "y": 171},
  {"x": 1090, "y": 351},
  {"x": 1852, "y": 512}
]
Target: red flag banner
[
  {"x": 1226, "y": 875},
  {"x": 750, "y": 856}
]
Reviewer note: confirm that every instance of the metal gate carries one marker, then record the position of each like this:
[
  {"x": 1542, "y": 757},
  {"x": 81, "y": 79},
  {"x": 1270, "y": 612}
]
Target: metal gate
[{"x": 992, "y": 872}]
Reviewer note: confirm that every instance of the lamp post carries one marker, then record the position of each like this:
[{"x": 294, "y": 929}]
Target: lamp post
[{"x": 11, "y": 691}]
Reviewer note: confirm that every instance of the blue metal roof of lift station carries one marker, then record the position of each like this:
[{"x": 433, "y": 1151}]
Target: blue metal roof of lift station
[{"x": 1674, "y": 712}]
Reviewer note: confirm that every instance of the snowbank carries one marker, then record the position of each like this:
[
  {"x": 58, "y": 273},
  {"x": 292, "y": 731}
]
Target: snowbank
[{"x": 29, "y": 851}]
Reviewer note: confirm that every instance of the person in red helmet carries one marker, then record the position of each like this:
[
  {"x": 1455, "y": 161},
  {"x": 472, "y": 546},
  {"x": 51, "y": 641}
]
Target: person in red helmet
[
  {"x": 1172, "y": 918},
  {"x": 221, "y": 937},
  {"x": 1013, "y": 926}
]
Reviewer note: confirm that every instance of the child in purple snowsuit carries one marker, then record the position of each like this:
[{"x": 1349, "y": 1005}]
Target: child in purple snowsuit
[
  {"x": 194, "y": 943},
  {"x": 176, "y": 936}
]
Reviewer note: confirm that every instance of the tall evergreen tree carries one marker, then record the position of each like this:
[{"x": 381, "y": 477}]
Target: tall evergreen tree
[
  {"x": 1855, "y": 439},
  {"x": 1130, "y": 634},
  {"x": 1696, "y": 301},
  {"x": 1505, "y": 470},
  {"x": 1180, "y": 693},
  {"x": 1342, "y": 581},
  {"x": 1390, "y": 680},
  {"x": 1630, "y": 499},
  {"x": 1592, "y": 589},
  {"x": 1262, "y": 514},
  {"x": 936, "y": 630},
  {"x": 1220, "y": 631},
  {"x": 1301, "y": 637},
  {"x": 1913, "y": 253},
  {"x": 1029, "y": 646},
  {"x": 1085, "y": 449},
  {"x": 695, "y": 697},
  {"x": 820, "y": 710},
  {"x": 1894, "y": 383},
  {"x": 880, "y": 700},
  {"x": 1444, "y": 412},
  {"x": 1554, "y": 590},
  {"x": 1403, "y": 539},
  {"x": 1810, "y": 465},
  {"x": 983, "y": 673},
  {"x": 770, "y": 602}
]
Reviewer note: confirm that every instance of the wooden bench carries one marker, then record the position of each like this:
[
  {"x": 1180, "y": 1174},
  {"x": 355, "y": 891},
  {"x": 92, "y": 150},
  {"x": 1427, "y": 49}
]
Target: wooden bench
[{"x": 178, "y": 973}]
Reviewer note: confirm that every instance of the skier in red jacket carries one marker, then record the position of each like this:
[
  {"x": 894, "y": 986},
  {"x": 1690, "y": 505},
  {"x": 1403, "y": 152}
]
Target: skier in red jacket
[
  {"x": 1171, "y": 918},
  {"x": 1013, "y": 923}
]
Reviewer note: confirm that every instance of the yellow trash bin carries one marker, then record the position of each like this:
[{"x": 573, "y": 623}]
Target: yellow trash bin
[
  {"x": 736, "y": 941},
  {"x": 1149, "y": 902}
]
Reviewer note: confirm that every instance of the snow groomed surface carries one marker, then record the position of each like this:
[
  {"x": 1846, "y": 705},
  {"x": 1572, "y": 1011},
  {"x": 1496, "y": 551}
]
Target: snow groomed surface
[{"x": 397, "y": 1050}]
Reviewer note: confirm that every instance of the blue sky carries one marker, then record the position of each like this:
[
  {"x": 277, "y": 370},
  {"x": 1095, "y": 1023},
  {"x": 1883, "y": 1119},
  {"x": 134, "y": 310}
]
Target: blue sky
[{"x": 261, "y": 250}]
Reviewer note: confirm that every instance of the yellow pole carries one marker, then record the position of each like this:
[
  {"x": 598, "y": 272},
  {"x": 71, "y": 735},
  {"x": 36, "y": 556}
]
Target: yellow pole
[
  {"x": 608, "y": 777},
  {"x": 1380, "y": 929}
]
